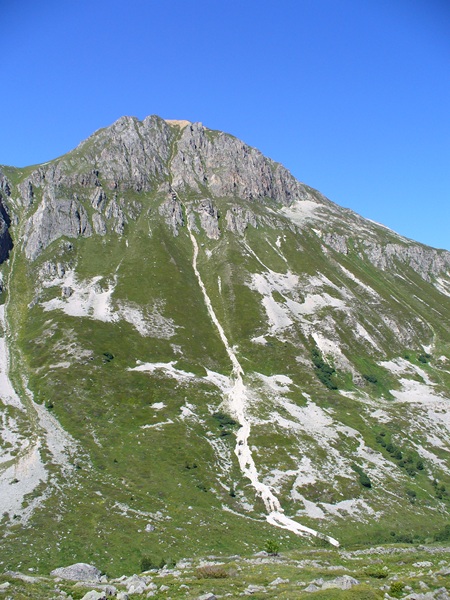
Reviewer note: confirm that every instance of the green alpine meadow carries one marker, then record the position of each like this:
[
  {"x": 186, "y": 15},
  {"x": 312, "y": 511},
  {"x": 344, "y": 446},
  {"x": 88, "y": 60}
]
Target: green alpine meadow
[{"x": 201, "y": 356}]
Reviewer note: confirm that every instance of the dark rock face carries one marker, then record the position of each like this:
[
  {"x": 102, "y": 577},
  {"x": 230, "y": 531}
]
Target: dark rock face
[{"x": 5, "y": 220}]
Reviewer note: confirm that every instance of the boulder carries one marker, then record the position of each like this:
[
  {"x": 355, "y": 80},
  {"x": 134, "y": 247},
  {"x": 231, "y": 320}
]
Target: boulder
[
  {"x": 94, "y": 595},
  {"x": 77, "y": 572},
  {"x": 344, "y": 582},
  {"x": 278, "y": 581},
  {"x": 312, "y": 587}
]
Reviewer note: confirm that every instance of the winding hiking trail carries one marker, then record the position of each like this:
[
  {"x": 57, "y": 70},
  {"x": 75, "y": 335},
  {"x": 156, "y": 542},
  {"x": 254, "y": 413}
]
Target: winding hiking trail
[{"x": 237, "y": 401}]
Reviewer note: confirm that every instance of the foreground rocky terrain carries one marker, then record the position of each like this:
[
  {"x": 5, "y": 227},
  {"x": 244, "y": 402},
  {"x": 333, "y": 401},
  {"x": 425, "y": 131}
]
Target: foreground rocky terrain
[
  {"x": 199, "y": 353},
  {"x": 418, "y": 573}
]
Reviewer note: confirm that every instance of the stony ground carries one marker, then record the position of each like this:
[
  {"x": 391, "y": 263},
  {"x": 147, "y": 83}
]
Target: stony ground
[{"x": 420, "y": 573}]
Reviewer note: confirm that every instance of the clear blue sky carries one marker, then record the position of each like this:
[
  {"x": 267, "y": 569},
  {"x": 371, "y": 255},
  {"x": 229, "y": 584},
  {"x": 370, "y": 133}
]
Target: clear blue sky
[{"x": 353, "y": 96}]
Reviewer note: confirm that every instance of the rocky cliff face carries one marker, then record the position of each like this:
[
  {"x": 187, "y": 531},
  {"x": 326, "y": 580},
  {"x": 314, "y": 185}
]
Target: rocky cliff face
[
  {"x": 5, "y": 220},
  {"x": 153, "y": 156},
  {"x": 209, "y": 343}
]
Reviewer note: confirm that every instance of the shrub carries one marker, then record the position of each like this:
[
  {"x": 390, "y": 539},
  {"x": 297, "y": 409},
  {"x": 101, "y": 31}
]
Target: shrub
[
  {"x": 443, "y": 535},
  {"x": 363, "y": 477},
  {"x": 376, "y": 571},
  {"x": 396, "y": 588},
  {"x": 411, "y": 472},
  {"x": 380, "y": 440},
  {"x": 364, "y": 480},
  {"x": 271, "y": 547},
  {"x": 411, "y": 495},
  {"x": 211, "y": 572},
  {"x": 147, "y": 564},
  {"x": 370, "y": 378},
  {"x": 423, "y": 358},
  {"x": 224, "y": 419},
  {"x": 324, "y": 371}
]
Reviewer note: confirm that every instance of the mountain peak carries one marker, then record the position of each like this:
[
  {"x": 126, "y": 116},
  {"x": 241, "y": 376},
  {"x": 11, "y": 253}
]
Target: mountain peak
[
  {"x": 200, "y": 342},
  {"x": 178, "y": 123}
]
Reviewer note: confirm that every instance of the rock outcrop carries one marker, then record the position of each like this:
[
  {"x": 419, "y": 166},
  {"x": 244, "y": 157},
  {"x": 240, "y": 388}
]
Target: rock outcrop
[
  {"x": 78, "y": 572},
  {"x": 229, "y": 168},
  {"x": 54, "y": 218},
  {"x": 238, "y": 219},
  {"x": 427, "y": 262},
  {"x": 193, "y": 164},
  {"x": 209, "y": 219},
  {"x": 5, "y": 221}
]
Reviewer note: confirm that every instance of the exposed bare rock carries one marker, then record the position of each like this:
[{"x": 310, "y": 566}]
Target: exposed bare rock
[
  {"x": 26, "y": 193},
  {"x": 209, "y": 219},
  {"x": 153, "y": 155},
  {"x": 238, "y": 219},
  {"x": 115, "y": 213},
  {"x": 5, "y": 185},
  {"x": 427, "y": 262},
  {"x": 99, "y": 224},
  {"x": 78, "y": 572},
  {"x": 131, "y": 154},
  {"x": 53, "y": 219},
  {"x": 336, "y": 241},
  {"x": 5, "y": 237},
  {"x": 230, "y": 168},
  {"x": 99, "y": 199},
  {"x": 172, "y": 212}
]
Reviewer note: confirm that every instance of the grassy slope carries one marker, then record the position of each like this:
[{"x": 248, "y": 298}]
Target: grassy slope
[{"x": 104, "y": 406}]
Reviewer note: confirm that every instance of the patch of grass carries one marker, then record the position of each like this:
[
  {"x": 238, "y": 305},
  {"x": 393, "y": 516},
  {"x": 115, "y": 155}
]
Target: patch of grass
[{"x": 211, "y": 572}]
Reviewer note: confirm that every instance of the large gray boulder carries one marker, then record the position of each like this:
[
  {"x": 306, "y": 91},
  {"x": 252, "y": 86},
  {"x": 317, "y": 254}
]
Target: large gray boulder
[
  {"x": 344, "y": 582},
  {"x": 78, "y": 572},
  {"x": 94, "y": 595}
]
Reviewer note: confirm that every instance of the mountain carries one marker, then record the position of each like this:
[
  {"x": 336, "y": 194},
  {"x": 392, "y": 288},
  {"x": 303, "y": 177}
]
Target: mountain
[{"x": 200, "y": 353}]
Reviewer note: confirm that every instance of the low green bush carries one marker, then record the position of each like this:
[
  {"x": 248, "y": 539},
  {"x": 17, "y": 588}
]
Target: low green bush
[
  {"x": 376, "y": 571},
  {"x": 147, "y": 564},
  {"x": 396, "y": 588},
  {"x": 271, "y": 547},
  {"x": 211, "y": 572},
  {"x": 443, "y": 535},
  {"x": 323, "y": 371},
  {"x": 363, "y": 477}
]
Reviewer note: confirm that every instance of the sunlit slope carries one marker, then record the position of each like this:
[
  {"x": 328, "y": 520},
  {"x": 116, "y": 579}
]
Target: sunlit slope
[{"x": 339, "y": 326}]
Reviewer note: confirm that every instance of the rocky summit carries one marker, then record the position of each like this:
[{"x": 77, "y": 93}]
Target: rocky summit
[{"x": 201, "y": 355}]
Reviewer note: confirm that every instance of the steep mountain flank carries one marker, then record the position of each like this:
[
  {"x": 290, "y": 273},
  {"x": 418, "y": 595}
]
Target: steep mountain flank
[
  {"x": 202, "y": 353},
  {"x": 5, "y": 221}
]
